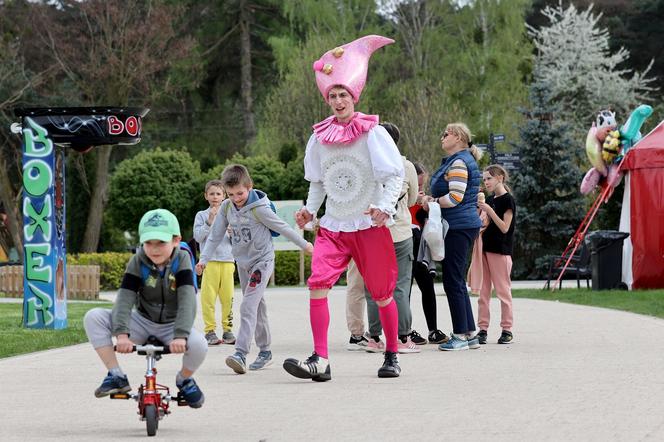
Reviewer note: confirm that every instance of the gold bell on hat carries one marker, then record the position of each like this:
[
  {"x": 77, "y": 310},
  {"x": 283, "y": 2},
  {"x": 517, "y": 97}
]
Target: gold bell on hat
[
  {"x": 338, "y": 51},
  {"x": 327, "y": 69}
]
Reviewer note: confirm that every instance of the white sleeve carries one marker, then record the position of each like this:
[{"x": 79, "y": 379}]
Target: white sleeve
[
  {"x": 312, "y": 172},
  {"x": 315, "y": 197},
  {"x": 387, "y": 168}
]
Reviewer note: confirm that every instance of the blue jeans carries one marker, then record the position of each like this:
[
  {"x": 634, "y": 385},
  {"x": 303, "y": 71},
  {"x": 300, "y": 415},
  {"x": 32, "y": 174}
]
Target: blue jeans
[{"x": 458, "y": 244}]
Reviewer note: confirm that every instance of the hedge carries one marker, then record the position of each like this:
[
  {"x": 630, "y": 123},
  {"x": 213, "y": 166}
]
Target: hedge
[{"x": 112, "y": 266}]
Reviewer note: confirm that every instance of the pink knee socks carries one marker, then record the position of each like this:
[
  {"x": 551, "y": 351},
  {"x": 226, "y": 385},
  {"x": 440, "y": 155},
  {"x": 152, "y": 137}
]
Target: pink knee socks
[
  {"x": 319, "y": 315},
  {"x": 389, "y": 318}
]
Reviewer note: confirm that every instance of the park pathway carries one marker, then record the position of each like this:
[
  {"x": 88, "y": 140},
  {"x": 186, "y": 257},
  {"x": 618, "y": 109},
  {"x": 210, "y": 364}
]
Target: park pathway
[{"x": 573, "y": 373}]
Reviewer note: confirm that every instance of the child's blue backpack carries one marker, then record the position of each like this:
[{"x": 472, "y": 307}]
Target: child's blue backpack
[{"x": 175, "y": 265}]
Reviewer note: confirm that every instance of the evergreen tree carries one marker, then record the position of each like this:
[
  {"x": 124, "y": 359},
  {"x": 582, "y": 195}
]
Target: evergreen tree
[{"x": 549, "y": 205}]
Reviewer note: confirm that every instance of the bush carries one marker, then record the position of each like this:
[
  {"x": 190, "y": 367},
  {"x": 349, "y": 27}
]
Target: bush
[
  {"x": 111, "y": 266},
  {"x": 155, "y": 179},
  {"x": 287, "y": 267},
  {"x": 278, "y": 181}
]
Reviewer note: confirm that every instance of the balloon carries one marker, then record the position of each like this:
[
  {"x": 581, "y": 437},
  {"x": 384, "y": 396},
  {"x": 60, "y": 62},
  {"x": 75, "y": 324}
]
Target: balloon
[
  {"x": 590, "y": 181},
  {"x": 594, "y": 150},
  {"x": 614, "y": 177},
  {"x": 611, "y": 147},
  {"x": 629, "y": 131}
]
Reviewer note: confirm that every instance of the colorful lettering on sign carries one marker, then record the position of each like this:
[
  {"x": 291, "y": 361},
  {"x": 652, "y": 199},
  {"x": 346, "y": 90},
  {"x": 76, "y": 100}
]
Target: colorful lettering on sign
[
  {"x": 42, "y": 248},
  {"x": 132, "y": 126}
]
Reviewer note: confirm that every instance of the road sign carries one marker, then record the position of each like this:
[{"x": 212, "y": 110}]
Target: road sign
[
  {"x": 497, "y": 138},
  {"x": 509, "y": 160}
]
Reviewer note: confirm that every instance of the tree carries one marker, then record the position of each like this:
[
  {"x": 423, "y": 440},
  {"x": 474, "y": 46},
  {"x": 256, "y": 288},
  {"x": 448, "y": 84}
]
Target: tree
[
  {"x": 17, "y": 83},
  {"x": 549, "y": 205},
  {"x": 574, "y": 58},
  {"x": 126, "y": 53},
  {"x": 155, "y": 179}
]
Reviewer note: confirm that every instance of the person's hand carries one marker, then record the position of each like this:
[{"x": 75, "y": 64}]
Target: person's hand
[
  {"x": 309, "y": 249},
  {"x": 213, "y": 213},
  {"x": 426, "y": 200},
  {"x": 302, "y": 217},
  {"x": 178, "y": 345},
  {"x": 124, "y": 344},
  {"x": 199, "y": 268},
  {"x": 378, "y": 217},
  {"x": 485, "y": 207}
]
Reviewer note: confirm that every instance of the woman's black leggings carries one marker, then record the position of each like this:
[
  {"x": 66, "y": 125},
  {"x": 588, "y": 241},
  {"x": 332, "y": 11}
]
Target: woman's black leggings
[{"x": 424, "y": 281}]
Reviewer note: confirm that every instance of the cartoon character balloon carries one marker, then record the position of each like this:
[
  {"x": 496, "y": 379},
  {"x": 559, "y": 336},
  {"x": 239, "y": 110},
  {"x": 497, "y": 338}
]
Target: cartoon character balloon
[{"x": 606, "y": 145}]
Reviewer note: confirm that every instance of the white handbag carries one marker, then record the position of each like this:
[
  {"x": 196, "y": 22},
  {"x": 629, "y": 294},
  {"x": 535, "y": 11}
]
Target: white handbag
[{"x": 434, "y": 232}]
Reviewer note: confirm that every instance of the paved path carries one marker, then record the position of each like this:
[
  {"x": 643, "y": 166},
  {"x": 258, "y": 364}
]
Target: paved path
[{"x": 573, "y": 373}]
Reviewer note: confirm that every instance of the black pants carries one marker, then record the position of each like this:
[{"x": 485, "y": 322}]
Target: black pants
[
  {"x": 458, "y": 244},
  {"x": 424, "y": 281}
]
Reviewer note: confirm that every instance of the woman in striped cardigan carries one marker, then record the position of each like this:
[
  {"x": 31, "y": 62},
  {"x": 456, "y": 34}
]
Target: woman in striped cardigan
[{"x": 454, "y": 186}]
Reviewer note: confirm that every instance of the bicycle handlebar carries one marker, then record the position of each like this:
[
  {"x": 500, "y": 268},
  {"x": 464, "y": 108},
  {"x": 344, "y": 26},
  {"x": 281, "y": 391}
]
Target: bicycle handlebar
[{"x": 149, "y": 349}]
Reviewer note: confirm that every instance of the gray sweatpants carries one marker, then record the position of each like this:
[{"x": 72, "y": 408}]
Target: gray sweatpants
[
  {"x": 253, "y": 309},
  {"x": 98, "y": 327},
  {"x": 404, "y": 251}
]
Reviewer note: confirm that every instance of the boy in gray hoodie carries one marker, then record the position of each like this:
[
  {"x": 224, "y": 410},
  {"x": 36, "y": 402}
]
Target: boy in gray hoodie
[
  {"x": 249, "y": 214},
  {"x": 156, "y": 298}
]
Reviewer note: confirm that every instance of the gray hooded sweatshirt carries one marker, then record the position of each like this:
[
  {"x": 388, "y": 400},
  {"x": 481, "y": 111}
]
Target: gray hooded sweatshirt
[{"x": 251, "y": 239}]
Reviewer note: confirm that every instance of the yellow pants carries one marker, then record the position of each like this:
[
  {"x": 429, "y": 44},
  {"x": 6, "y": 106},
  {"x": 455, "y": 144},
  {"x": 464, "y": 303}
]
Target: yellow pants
[{"x": 217, "y": 282}]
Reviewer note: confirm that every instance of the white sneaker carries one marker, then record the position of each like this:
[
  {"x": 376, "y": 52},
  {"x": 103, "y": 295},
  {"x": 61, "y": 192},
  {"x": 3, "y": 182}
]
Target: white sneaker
[
  {"x": 314, "y": 367},
  {"x": 407, "y": 347}
]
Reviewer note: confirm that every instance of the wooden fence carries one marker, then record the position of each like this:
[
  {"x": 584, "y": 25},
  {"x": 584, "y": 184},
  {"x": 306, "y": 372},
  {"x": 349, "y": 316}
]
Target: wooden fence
[{"x": 82, "y": 281}]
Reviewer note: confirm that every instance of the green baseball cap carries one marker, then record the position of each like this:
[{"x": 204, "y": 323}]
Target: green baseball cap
[{"x": 158, "y": 224}]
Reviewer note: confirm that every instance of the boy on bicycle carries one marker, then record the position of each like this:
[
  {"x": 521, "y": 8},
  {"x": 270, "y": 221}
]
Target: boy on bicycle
[{"x": 156, "y": 298}]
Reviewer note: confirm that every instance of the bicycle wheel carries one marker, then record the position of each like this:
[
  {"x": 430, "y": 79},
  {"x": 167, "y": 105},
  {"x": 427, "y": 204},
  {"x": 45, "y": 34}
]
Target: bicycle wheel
[{"x": 151, "y": 419}]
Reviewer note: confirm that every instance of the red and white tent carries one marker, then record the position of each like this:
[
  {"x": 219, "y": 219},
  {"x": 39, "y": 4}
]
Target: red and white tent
[{"x": 643, "y": 212}]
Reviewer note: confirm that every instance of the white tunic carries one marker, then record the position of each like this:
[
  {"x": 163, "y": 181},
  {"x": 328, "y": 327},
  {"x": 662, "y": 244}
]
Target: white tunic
[{"x": 367, "y": 173}]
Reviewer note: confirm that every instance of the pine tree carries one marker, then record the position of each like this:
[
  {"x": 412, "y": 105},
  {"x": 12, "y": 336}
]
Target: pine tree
[{"x": 549, "y": 205}]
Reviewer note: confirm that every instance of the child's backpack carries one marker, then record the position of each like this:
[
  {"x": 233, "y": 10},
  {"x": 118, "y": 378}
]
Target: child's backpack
[
  {"x": 253, "y": 211},
  {"x": 175, "y": 265}
]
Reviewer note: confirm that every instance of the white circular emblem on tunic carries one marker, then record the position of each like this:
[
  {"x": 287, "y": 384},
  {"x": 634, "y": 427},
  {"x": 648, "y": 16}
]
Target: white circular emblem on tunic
[{"x": 347, "y": 184}]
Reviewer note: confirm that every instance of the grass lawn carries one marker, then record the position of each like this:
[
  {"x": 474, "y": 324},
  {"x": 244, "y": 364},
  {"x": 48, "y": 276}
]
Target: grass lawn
[
  {"x": 645, "y": 302},
  {"x": 18, "y": 340}
]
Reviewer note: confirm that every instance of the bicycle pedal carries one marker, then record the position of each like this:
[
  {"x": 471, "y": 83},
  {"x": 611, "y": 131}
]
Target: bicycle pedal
[
  {"x": 120, "y": 396},
  {"x": 180, "y": 401}
]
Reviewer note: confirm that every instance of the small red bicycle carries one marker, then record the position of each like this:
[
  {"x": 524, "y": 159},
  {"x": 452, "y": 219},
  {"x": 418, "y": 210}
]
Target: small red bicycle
[{"x": 153, "y": 398}]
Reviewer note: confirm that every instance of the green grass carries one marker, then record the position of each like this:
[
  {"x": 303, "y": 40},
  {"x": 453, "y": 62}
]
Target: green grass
[
  {"x": 645, "y": 302},
  {"x": 17, "y": 340}
]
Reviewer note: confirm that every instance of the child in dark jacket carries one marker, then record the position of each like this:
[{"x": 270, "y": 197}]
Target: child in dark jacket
[{"x": 156, "y": 298}]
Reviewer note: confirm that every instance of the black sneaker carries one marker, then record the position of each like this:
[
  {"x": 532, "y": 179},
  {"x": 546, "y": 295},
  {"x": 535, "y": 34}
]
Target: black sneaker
[
  {"x": 191, "y": 393},
  {"x": 314, "y": 367},
  {"x": 438, "y": 337},
  {"x": 113, "y": 385},
  {"x": 481, "y": 336},
  {"x": 417, "y": 338},
  {"x": 390, "y": 368},
  {"x": 357, "y": 343},
  {"x": 505, "y": 337}
]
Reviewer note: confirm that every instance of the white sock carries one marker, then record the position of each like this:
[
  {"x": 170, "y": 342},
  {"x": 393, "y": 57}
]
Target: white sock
[
  {"x": 116, "y": 371},
  {"x": 461, "y": 337},
  {"x": 179, "y": 379}
]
